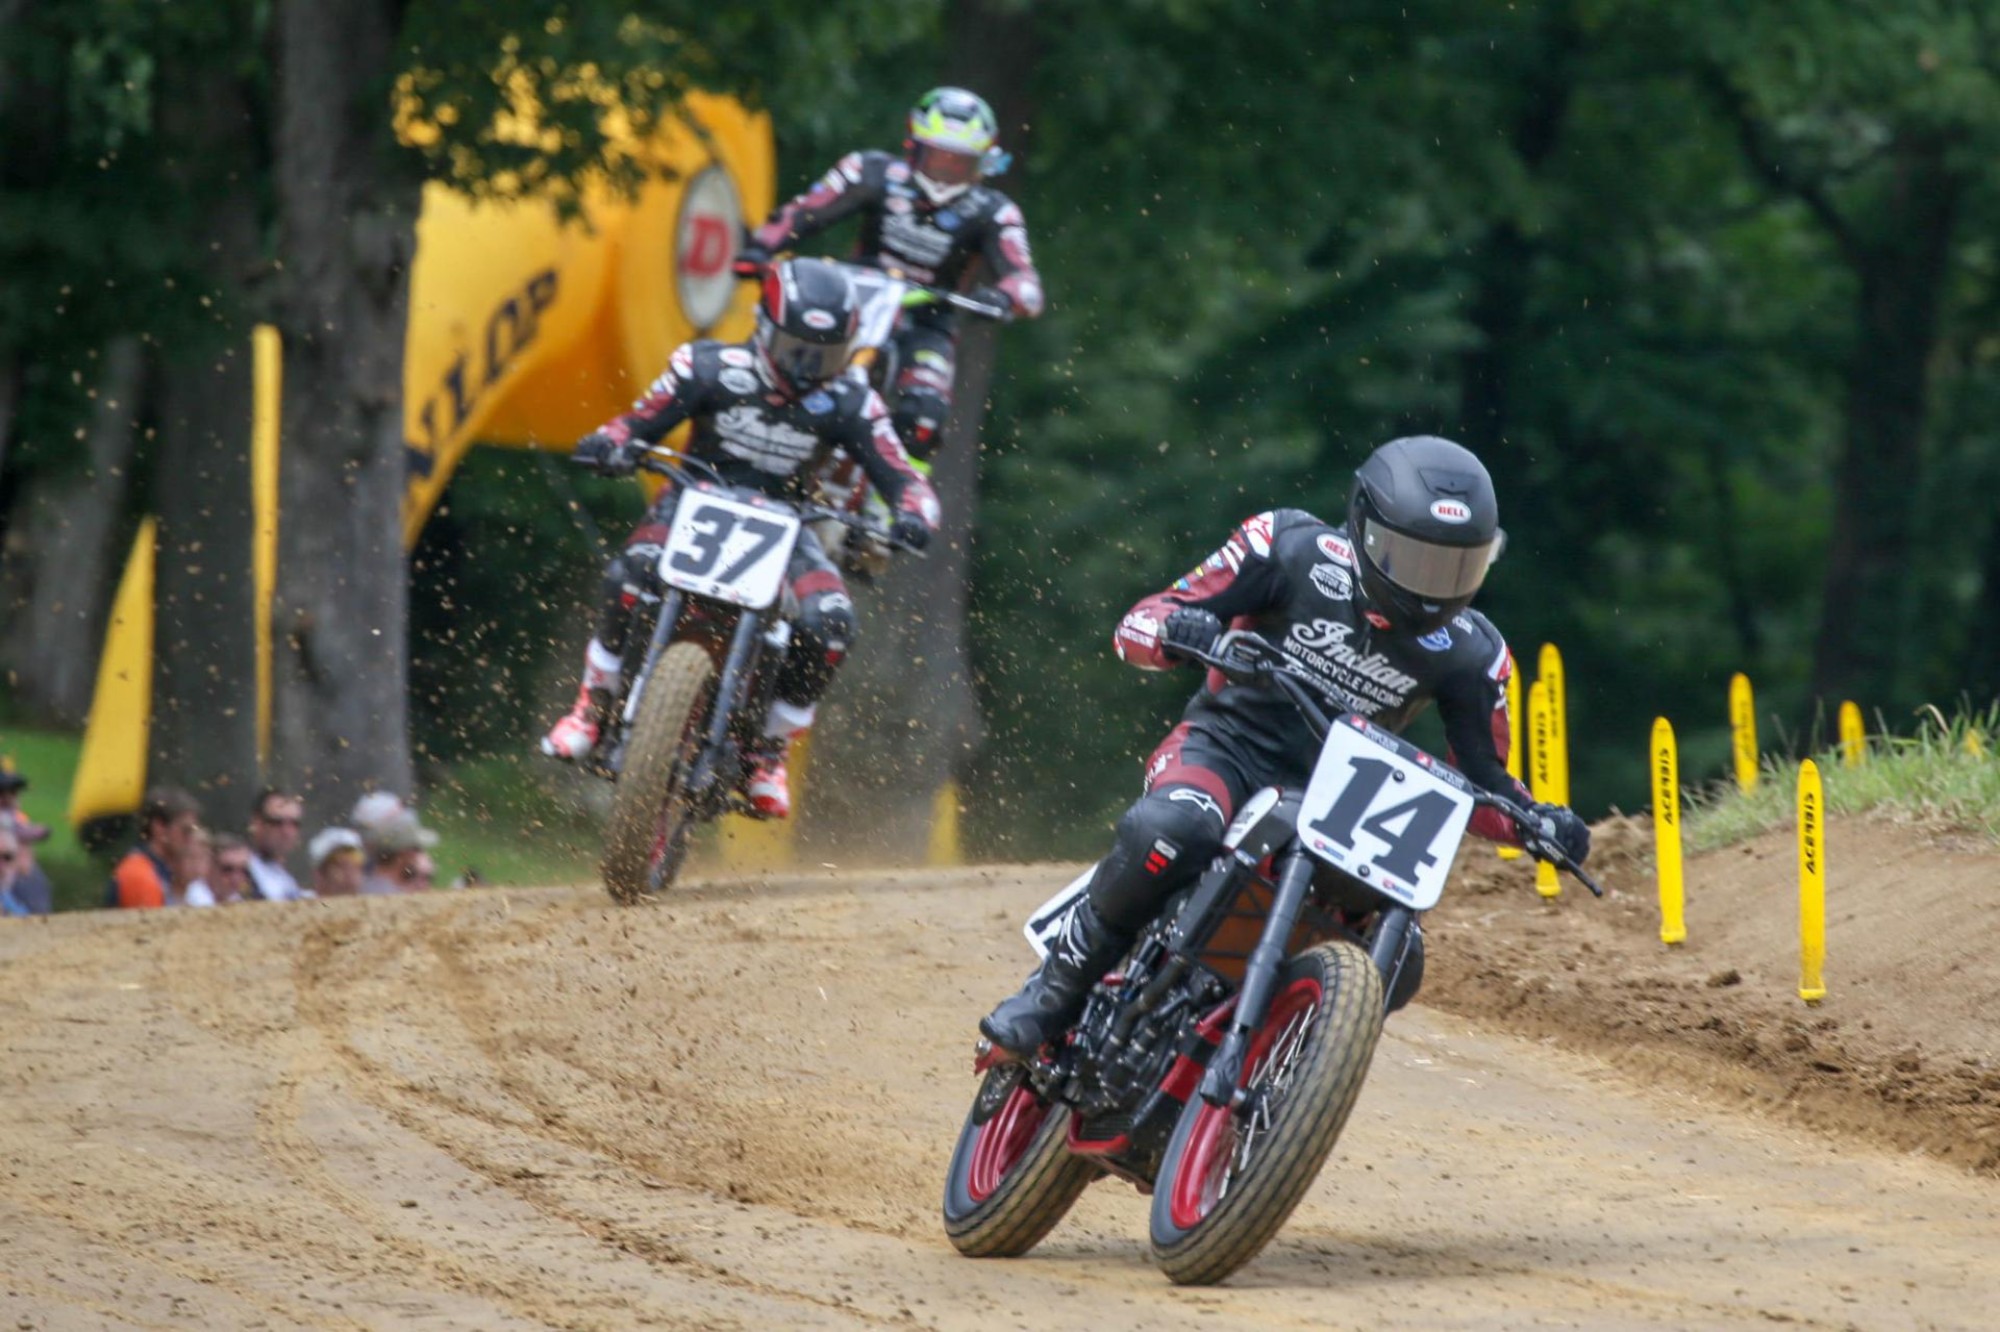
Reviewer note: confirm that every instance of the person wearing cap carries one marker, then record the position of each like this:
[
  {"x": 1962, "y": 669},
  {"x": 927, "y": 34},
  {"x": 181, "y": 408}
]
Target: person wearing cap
[
  {"x": 274, "y": 835},
  {"x": 399, "y": 856},
  {"x": 29, "y": 892},
  {"x": 168, "y": 823},
  {"x": 336, "y": 858}
]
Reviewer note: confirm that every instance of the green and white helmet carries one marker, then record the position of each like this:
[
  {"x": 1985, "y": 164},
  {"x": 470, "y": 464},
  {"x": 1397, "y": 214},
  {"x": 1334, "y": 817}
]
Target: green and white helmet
[{"x": 951, "y": 142}]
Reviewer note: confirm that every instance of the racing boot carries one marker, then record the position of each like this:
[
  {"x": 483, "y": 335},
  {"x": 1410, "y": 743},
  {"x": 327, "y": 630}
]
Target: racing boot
[
  {"x": 766, "y": 784},
  {"x": 575, "y": 737},
  {"x": 1052, "y": 1000}
]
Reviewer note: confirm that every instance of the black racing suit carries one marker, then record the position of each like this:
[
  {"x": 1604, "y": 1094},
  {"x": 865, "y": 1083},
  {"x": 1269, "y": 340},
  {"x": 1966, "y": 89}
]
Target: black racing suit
[
  {"x": 759, "y": 436},
  {"x": 1290, "y": 579},
  {"x": 936, "y": 244}
]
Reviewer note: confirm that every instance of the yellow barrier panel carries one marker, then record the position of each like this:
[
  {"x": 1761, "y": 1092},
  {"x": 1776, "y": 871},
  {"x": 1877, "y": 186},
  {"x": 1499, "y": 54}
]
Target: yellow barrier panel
[
  {"x": 1513, "y": 737},
  {"x": 1743, "y": 730},
  {"x": 1812, "y": 884},
  {"x": 766, "y": 844},
  {"x": 111, "y": 769},
  {"x": 1853, "y": 739},
  {"x": 1549, "y": 667},
  {"x": 1541, "y": 774},
  {"x": 943, "y": 851},
  {"x": 267, "y": 368},
  {"x": 1667, "y": 832}
]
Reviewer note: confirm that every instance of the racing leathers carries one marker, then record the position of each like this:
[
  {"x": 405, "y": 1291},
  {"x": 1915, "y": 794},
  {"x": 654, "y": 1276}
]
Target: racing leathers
[
  {"x": 1292, "y": 581},
  {"x": 757, "y": 433},
  {"x": 938, "y": 244}
]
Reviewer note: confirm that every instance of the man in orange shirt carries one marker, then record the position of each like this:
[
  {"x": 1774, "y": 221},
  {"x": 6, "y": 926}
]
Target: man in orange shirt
[{"x": 168, "y": 823}]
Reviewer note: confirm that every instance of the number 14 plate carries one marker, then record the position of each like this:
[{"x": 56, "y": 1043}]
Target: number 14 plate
[{"x": 1385, "y": 812}]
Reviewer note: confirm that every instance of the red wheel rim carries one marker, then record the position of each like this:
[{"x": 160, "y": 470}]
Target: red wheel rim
[
  {"x": 1208, "y": 1160},
  {"x": 1003, "y": 1140}
]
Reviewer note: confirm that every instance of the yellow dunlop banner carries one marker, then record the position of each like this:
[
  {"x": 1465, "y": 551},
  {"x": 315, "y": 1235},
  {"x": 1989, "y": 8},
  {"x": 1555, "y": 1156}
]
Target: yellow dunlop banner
[
  {"x": 1743, "y": 731},
  {"x": 1812, "y": 884},
  {"x": 1514, "y": 769},
  {"x": 1541, "y": 774},
  {"x": 1853, "y": 739},
  {"x": 1667, "y": 832}
]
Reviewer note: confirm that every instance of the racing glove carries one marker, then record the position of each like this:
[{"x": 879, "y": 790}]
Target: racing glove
[
  {"x": 604, "y": 455},
  {"x": 1189, "y": 630},
  {"x": 1560, "y": 824},
  {"x": 751, "y": 260},
  {"x": 909, "y": 530}
]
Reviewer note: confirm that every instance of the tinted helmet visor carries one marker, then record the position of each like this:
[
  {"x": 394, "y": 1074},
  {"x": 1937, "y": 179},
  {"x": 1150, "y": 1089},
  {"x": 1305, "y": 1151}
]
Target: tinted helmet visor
[{"x": 1431, "y": 571}]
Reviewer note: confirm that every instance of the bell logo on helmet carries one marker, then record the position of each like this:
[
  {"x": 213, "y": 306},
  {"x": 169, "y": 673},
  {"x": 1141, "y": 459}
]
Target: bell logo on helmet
[
  {"x": 820, "y": 319},
  {"x": 1451, "y": 511}
]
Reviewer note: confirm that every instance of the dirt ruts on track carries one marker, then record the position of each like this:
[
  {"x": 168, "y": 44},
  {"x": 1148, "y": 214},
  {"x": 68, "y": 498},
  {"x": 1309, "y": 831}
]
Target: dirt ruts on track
[{"x": 509, "y": 1108}]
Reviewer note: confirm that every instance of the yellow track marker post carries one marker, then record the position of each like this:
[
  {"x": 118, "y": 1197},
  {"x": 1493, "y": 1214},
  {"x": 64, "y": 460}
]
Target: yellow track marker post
[
  {"x": 1667, "y": 832},
  {"x": 1513, "y": 737},
  {"x": 1549, "y": 667},
  {"x": 943, "y": 851},
  {"x": 1743, "y": 731},
  {"x": 1975, "y": 744},
  {"x": 1540, "y": 775},
  {"x": 1853, "y": 738},
  {"x": 1812, "y": 884},
  {"x": 267, "y": 369}
]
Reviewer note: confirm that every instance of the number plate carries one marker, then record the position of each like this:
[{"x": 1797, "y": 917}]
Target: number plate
[
  {"x": 729, "y": 550},
  {"x": 1385, "y": 812},
  {"x": 1047, "y": 922}
]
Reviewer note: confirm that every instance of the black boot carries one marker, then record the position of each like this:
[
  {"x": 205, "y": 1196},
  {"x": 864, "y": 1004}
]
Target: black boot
[{"x": 1053, "y": 997}]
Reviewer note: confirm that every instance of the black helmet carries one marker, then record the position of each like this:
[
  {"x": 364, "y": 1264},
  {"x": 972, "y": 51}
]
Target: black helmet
[
  {"x": 1425, "y": 525},
  {"x": 805, "y": 322}
]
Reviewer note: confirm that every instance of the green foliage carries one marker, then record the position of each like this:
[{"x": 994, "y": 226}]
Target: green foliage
[
  {"x": 1945, "y": 777},
  {"x": 48, "y": 759}
]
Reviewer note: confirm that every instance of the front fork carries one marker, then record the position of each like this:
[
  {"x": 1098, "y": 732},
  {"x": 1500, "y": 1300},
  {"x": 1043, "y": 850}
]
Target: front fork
[
  {"x": 747, "y": 642},
  {"x": 1220, "y": 1084}
]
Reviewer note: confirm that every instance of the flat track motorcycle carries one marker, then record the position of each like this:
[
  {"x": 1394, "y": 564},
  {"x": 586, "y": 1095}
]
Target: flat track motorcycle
[
  {"x": 1216, "y": 1067},
  {"x": 707, "y": 668}
]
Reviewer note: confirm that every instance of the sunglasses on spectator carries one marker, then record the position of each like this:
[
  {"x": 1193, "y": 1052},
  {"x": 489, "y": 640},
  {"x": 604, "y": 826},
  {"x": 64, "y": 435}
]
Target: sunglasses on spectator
[
  {"x": 7, "y": 857},
  {"x": 411, "y": 873},
  {"x": 279, "y": 822},
  {"x": 232, "y": 867}
]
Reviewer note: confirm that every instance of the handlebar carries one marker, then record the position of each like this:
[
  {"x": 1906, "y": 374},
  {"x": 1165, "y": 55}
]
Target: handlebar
[
  {"x": 918, "y": 293},
  {"x": 677, "y": 467},
  {"x": 1244, "y": 658}
]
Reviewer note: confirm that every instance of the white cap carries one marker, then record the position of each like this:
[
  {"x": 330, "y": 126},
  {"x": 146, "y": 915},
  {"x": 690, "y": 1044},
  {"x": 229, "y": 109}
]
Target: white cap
[
  {"x": 377, "y": 807},
  {"x": 329, "y": 840}
]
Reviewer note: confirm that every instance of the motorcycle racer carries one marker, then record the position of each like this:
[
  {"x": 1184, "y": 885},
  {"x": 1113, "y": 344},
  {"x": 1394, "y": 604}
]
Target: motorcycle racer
[
  {"x": 765, "y": 413},
  {"x": 930, "y": 215},
  {"x": 1376, "y": 613}
]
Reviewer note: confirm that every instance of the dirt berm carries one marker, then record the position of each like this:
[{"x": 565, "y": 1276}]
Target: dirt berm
[{"x": 514, "y": 1108}]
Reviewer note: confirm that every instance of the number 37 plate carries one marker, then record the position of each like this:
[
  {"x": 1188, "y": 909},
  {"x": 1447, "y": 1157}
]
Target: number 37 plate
[
  {"x": 729, "y": 550},
  {"x": 1385, "y": 812}
]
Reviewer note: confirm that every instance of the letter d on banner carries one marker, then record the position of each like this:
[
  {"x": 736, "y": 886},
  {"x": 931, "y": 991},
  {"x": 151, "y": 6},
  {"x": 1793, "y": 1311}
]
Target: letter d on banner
[
  {"x": 1743, "y": 731},
  {"x": 1541, "y": 776},
  {"x": 1812, "y": 884},
  {"x": 1667, "y": 831}
]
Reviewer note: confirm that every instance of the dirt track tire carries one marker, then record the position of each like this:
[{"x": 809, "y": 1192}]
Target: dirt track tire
[
  {"x": 646, "y": 808},
  {"x": 1012, "y": 1178},
  {"x": 1211, "y": 1214}
]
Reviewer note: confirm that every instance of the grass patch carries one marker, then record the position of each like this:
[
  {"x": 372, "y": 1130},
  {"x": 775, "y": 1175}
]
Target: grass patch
[
  {"x": 515, "y": 821},
  {"x": 48, "y": 760},
  {"x": 1945, "y": 777}
]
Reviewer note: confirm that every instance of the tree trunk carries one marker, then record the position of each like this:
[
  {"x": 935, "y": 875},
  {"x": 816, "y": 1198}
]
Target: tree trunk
[
  {"x": 204, "y": 733},
  {"x": 1864, "y": 612},
  {"x": 346, "y": 213},
  {"x": 1982, "y": 653},
  {"x": 903, "y": 718},
  {"x": 66, "y": 544}
]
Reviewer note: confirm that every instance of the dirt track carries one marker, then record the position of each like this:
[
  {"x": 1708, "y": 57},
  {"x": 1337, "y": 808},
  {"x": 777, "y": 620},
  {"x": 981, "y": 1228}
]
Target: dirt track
[{"x": 525, "y": 1109}]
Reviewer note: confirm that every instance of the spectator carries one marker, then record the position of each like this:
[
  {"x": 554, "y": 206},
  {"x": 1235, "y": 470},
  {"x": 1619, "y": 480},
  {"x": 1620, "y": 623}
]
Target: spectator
[
  {"x": 229, "y": 875},
  {"x": 336, "y": 857},
  {"x": 28, "y": 892},
  {"x": 168, "y": 821},
  {"x": 191, "y": 869},
  {"x": 274, "y": 835},
  {"x": 399, "y": 856},
  {"x": 10, "y": 856},
  {"x": 375, "y": 810}
]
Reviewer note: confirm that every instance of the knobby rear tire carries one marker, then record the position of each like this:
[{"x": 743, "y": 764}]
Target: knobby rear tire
[
  {"x": 1197, "y": 1240},
  {"x": 1035, "y": 1190},
  {"x": 647, "y": 809}
]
